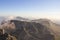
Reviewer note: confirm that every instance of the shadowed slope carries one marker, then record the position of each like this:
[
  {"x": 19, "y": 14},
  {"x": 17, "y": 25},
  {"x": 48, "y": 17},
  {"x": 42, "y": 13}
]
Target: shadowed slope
[{"x": 31, "y": 31}]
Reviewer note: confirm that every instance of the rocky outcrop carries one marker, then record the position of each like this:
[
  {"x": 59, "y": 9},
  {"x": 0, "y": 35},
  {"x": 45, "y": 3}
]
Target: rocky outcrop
[{"x": 6, "y": 36}]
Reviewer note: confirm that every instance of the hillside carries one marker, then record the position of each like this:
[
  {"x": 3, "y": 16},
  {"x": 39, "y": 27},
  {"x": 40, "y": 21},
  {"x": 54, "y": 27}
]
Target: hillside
[
  {"x": 23, "y": 30},
  {"x": 53, "y": 27}
]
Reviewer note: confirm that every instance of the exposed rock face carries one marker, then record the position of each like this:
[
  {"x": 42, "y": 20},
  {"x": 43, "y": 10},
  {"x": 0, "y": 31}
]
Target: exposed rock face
[
  {"x": 31, "y": 31},
  {"x": 6, "y": 36}
]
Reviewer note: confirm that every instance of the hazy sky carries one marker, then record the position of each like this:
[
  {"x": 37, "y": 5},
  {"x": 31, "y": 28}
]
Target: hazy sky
[{"x": 31, "y": 8}]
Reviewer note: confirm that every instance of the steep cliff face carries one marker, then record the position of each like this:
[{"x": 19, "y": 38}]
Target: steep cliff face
[{"x": 31, "y": 31}]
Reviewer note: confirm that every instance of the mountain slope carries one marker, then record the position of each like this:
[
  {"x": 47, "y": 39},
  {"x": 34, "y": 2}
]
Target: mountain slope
[
  {"x": 29, "y": 31},
  {"x": 53, "y": 28}
]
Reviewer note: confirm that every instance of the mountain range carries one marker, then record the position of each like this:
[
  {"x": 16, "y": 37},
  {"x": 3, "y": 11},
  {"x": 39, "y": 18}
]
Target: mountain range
[{"x": 25, "y": 29}]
